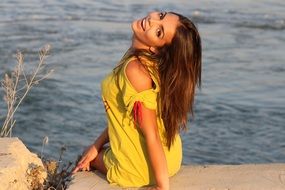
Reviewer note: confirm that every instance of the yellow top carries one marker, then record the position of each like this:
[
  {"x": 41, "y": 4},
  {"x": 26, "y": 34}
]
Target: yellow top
[{"x": 126, "y": 160}]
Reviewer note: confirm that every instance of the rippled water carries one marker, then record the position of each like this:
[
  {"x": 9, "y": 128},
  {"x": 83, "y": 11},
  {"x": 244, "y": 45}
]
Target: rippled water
[{"x": 240, "y": 110}]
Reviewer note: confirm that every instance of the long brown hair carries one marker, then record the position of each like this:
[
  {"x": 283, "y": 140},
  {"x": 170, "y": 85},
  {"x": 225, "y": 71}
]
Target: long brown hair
[{"x": 179, "y": 68}]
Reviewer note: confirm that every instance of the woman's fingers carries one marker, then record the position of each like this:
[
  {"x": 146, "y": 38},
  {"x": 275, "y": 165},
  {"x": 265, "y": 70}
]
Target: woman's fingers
[
  {"x": 83, "y": 167},
  {"x": 84, "y": 163},
  {"x": 80, "y": 165},
  {"x": 76, "y": 169}
]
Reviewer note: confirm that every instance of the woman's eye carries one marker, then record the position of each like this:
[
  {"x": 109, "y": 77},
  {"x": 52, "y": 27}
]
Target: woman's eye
[
  {"x": 158, "y": 33},
  {"x": 161, "y": 16}
]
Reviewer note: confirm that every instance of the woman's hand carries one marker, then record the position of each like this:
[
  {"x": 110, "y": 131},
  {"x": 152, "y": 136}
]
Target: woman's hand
[
  {"x": 91, "y": 152},
  {"x": 157, "y": 188},
  {"x": 84, "y": 163}
]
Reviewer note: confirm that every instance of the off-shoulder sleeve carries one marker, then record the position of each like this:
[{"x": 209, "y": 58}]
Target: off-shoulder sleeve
[
  {"x": 133, "y": 99},
  {"x": 148, "y": 98},
  {"x": 133, "y": 103}
]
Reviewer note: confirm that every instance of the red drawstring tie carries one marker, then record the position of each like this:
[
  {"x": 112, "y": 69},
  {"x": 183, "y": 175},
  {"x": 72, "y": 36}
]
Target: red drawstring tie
[{"x": 137, "y": 110}]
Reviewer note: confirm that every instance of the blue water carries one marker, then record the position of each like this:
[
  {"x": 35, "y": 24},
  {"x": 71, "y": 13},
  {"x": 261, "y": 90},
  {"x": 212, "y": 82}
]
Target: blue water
[{"x": 239, "y": 112}]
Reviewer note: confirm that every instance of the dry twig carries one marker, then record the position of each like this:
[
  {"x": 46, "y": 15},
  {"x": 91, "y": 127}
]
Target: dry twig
[{"x": 15, "y": 93}]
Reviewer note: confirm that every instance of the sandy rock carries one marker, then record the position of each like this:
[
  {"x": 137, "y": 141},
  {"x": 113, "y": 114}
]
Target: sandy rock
[{"x": 15, "y": 162}]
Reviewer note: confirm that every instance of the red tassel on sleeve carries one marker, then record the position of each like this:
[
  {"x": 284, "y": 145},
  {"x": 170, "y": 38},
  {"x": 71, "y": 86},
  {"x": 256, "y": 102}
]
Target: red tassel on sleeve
[{"x": 137, "y": 110}]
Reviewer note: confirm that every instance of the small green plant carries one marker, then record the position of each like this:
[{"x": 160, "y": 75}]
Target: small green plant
[{"x": 15, "y": 93}]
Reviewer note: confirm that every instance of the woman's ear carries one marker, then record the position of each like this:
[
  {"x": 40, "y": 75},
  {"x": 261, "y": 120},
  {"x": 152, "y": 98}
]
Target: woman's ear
[{"x": 152, "y": 50}]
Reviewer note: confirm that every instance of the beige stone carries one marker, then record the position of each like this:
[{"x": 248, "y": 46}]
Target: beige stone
[
  {"x": 15, "y": 161},
  {"x": 208, "y": 177}
]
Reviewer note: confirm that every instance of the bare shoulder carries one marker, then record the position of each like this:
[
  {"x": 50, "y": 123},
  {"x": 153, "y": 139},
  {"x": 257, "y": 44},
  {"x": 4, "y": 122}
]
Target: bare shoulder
[{"x": 138, "y": 75}]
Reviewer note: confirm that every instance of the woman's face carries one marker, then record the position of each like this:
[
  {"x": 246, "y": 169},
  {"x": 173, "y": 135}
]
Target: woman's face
[{"x": 154, "y": 30}]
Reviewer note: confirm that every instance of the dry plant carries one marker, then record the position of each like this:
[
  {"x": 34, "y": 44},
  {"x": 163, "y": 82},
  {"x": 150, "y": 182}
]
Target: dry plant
[
  {"x": 58, "y": 173},
  {"x": 16, "y": 93},
  {"x": 45, "y": 142},
  {"x": 35, "y": 177},
  {"x": 16, "y": 87}
]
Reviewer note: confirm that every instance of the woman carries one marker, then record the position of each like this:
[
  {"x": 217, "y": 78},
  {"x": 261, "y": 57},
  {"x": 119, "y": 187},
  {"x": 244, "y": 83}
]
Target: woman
[{"x": 147, "y": 98}]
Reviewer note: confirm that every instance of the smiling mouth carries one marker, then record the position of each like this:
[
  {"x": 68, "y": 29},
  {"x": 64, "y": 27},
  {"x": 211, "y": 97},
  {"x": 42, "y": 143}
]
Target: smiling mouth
[{"x": 143, "y": 24}]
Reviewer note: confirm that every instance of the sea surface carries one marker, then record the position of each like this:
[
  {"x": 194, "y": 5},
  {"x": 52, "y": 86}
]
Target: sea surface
[{"x": 239, "y": 111}]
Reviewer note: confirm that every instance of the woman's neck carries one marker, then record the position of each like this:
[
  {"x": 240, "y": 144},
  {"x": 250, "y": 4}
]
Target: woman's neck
[{"x": 136, "y": 44}]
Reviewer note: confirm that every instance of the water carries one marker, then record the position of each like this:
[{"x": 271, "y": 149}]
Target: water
[{"x": 239, "y": 112}]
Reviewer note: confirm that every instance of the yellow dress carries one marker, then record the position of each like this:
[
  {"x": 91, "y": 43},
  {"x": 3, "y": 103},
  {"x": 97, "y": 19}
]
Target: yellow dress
[{"x": 127, "y": 159}]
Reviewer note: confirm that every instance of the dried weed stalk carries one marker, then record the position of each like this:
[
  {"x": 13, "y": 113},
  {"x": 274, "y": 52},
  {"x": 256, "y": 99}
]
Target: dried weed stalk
[
  {"x": 58, "y": 174},
  {"x": 16, "y": 93}
]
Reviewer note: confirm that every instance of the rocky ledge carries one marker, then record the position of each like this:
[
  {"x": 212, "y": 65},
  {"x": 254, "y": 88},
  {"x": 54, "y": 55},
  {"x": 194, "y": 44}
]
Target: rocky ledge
[
  {"x": 18, "y": 164},
  {"x": 19, "y": 168},
  {"x": 207, "y": 177}
]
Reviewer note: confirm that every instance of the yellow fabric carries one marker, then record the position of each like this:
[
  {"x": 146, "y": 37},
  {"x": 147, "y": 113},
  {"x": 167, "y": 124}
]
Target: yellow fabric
[{"x": 126, "y": 160}]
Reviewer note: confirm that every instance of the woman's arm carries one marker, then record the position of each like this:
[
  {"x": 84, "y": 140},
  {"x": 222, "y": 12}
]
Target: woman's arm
[
  {"x": 148, "y": 126},
  {"x": 92, "y": 152},
  {"x": 141, "y": 80}
]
